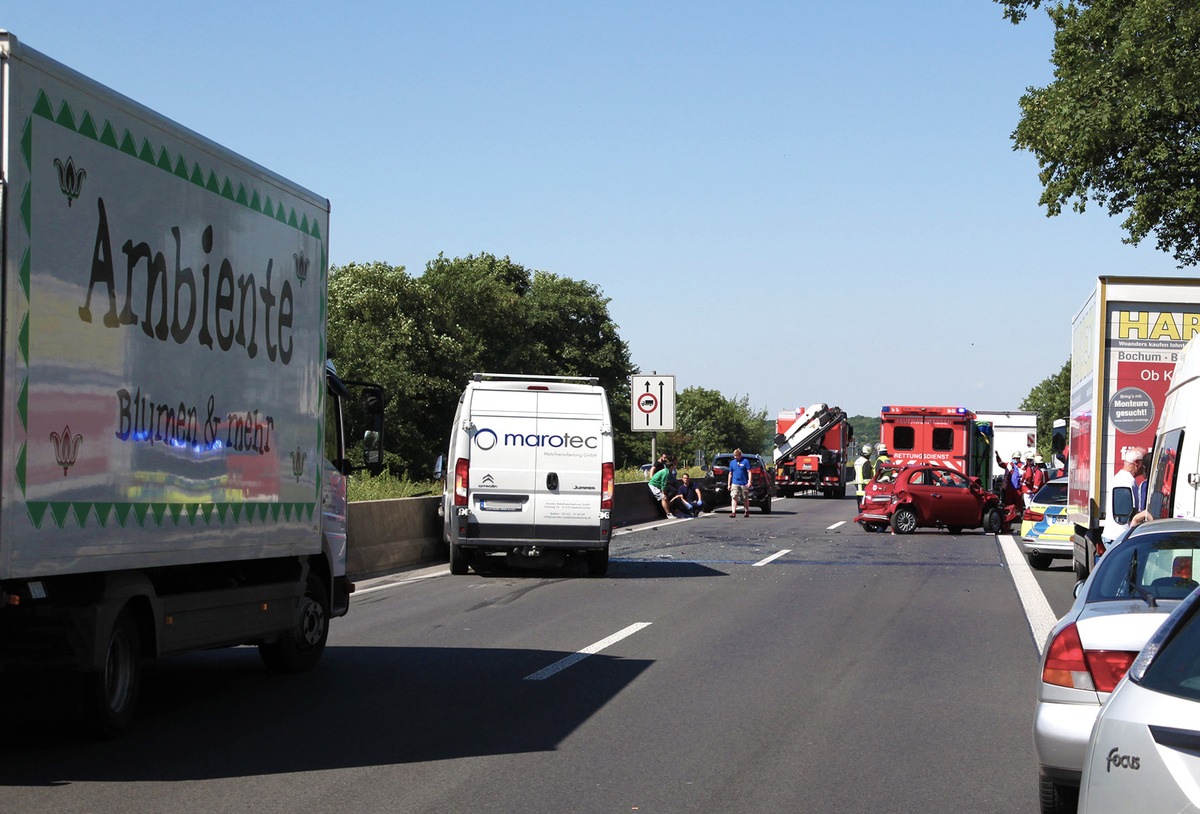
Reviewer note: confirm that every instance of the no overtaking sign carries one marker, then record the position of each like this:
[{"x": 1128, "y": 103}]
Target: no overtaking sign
[{"x": 653, "y": 408}]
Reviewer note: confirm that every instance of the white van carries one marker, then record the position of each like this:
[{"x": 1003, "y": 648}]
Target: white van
[
  {"x": 1174, "y": 482},
  {"x": 530, "y": 470}
]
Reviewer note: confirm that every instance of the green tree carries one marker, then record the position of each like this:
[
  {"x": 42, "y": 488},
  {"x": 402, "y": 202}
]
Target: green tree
[
  {"x": 711, "y": 422},
  {"x": 1120, "y": 123},
  {"x": 1050, "y": 399}
]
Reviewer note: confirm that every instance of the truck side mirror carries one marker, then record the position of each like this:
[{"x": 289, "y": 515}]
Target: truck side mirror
[
  {"x": 1122, "y": 508},
  {"x": 439, "y": 468}
]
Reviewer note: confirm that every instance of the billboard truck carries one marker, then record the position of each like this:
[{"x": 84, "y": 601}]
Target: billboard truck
[
  {"x": 173, "y": 458},
  {"x": 1125, "y": 341}
]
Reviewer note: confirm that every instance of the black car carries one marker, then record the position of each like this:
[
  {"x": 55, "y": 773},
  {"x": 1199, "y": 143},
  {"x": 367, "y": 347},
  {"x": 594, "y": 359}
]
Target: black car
[{"x": 715, "y": 487}]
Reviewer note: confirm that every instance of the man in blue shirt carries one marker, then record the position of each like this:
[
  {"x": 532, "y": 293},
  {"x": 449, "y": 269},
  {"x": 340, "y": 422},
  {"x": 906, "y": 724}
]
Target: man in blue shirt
[
  {"x": 688, "y": 499},
  {"x": 739, "y": 483}
]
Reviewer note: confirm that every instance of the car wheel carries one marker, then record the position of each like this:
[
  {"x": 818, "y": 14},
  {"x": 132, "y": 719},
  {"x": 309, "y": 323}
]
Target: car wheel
[
  {"x": 766, "y": 506},
  {"x": 1039, "y": 562},
  {"x": 1055, "y": 798},
  {"x": 597, "y": 563},
  {"x": 992, "y": 520},
  {"x": 904, "y": 520},
  {"x": 459, "y": 561}
]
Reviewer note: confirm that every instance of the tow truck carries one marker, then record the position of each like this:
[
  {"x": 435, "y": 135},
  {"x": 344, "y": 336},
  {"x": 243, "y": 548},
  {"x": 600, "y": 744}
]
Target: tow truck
[{"x": 810, "y": 451}]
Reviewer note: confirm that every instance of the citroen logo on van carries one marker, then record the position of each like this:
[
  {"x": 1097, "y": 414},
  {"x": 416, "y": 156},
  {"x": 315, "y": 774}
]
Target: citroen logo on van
[
  {"x": 488, "y": 480},
  {"x": 485, "y": 439}
]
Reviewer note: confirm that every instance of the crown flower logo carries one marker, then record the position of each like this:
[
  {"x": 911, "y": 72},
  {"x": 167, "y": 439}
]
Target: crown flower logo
[
  {"x": 70, "y": 179},
  {"x": 298, "y": 457},
  {"x": 301, "y": 267},
  {"x": 66, "y": 447}
]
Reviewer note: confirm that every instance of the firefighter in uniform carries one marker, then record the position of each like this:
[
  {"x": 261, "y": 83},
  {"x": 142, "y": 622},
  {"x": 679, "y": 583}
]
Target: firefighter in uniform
[
  {"x": 863, "y": 472},
  {"x": 881, "y": 456}
]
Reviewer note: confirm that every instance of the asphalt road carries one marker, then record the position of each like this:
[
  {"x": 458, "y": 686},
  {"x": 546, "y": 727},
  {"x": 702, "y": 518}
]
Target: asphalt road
[{"x": 781, "y": 663}]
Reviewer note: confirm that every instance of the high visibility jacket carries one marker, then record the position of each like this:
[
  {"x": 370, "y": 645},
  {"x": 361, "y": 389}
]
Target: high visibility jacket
[{"x": 863, "y": 472}]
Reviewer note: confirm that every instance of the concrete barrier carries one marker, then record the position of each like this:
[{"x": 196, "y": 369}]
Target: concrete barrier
[{"x": 386, "y": 535}]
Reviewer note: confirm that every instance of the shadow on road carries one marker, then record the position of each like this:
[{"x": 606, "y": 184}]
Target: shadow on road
[{"x": 219, "y": 714}]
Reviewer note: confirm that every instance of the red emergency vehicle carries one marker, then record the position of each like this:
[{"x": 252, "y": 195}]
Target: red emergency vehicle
[
  {"x": 813, "y": 460},
  {"x": 947, "y": 436}
]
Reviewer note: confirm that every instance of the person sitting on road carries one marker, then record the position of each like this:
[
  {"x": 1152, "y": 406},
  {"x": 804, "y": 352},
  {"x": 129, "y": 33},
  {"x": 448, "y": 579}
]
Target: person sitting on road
[{"x": 688, "y": 500}]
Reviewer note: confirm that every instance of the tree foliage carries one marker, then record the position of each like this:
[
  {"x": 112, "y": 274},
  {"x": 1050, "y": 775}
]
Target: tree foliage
[
  {"x": 712, "y": 423},
  {"x": 1050, "y": 399},
  {"x": 422, "y": 338},
  {"x": 1120, "y": 123}
]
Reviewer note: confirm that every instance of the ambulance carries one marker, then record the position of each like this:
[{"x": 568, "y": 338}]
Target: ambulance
[{"x": 946, "y": 436}]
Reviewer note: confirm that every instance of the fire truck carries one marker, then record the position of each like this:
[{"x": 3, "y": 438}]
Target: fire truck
[
  {"x": 811, "y": 446},
  {"x": 947, "y": 436}
]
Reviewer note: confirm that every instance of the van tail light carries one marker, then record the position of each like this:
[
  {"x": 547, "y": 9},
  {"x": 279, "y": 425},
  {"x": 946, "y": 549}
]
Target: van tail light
[
  {"x": 606, "y": 486},
  {"x": 461, "y": 471},
  {"x": 1069, "y": 665},
  {"x": 1032, "y": 516}
]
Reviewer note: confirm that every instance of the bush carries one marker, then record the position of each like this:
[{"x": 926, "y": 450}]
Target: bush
[{"x": 385, "y": 487}]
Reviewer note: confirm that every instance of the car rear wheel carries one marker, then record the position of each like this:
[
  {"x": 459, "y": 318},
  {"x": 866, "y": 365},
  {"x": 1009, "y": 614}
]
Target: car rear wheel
[
  {"x": 1055, "y": 798},
  {"x": 766, "y": 506},
  {"x": 1039, "y": 562},
  {"x": 904, "y": 520}
]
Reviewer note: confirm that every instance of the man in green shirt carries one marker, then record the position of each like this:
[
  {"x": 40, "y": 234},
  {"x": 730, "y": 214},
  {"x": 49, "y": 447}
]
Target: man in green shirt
[{"x": 658, "y": 486}]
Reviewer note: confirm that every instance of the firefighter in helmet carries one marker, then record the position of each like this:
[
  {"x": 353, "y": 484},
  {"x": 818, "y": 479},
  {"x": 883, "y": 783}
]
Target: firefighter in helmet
[
  {"x": 881, "y": 456},
  {"x": 863, "y": 472}
]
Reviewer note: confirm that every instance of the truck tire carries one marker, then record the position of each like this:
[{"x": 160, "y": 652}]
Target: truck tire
[
  {"x": 597, "y": 563},
  {"x": 459, "y": 563},
  {"x": 112, "y": 693},
  {"x": 298, "y": 650}
]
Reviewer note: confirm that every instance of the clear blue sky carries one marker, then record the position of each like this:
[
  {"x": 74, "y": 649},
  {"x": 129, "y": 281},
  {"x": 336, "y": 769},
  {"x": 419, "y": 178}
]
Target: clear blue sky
[{"x": 792, "y": 201}]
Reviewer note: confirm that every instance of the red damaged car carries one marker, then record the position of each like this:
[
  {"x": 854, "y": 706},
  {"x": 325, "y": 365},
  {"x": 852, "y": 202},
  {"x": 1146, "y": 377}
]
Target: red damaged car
[{"x": 928, "y": 496}]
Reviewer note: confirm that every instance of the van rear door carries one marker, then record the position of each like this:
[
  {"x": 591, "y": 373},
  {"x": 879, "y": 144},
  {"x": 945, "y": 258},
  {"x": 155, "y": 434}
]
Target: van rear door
[
  {"x": 503, "y": 480},
  {"x": 570, "y": 455}
]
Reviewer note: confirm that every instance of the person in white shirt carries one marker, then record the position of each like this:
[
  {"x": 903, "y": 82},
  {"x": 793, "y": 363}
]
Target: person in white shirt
[{"x": 1127, "y": 476}]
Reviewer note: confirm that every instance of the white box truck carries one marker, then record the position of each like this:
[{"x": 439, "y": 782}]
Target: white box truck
[
  {"x": 172, "y": 460},
  {"x": 1012, "y": 431},
  {"x": 532, "y": 475},
  {"x": 1125, "y": 341}
]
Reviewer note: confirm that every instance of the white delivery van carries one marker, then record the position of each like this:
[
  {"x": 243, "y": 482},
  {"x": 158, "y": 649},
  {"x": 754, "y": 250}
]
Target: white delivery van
[
  {"x": 1174, "y": 483},
  {"x": 532, "y": 474}
]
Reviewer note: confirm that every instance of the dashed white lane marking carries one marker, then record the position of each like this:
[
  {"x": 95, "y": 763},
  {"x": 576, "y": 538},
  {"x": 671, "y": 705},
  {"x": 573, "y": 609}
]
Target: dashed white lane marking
[
  {"x": 835, "y": 525},
  {"x": 591, "y": 649},
  {"x": 1037, "y": 609},
  {"x": 774, "y": 556}
]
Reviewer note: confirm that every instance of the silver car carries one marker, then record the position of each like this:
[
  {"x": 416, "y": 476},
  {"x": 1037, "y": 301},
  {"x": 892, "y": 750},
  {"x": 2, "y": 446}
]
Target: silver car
[
  {"x": 1144, "y": 753},
  {"x": 1132, "y": 589}
]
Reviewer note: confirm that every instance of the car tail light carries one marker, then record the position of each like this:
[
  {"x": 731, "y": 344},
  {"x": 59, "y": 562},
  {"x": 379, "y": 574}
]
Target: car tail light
[
  {"x": 606, "y": 486},
  {"x": 461, "y": 471},
  {"x": 1031, "y": 515},
  {"x": 1069, "y": 665}
]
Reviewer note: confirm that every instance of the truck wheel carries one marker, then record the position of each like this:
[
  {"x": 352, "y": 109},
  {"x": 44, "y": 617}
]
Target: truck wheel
[
  {"x": 904, "y": 520},
  {"x": 112, "y": 693},
  {"x": 298, "y": 650},
  {"x": 459, "y": 562},
  {"x": 597, "y": 563}
]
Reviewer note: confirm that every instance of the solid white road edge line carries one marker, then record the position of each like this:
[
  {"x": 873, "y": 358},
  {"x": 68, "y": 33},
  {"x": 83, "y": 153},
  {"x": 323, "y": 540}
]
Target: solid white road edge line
[
  {"x": 835, "y": 525},
  {"x": 1037, "y": 609},
  {"x": 774, "y": 556},
  {"x": 591, "y": 649},
  {"x": 396, "y": 583}
]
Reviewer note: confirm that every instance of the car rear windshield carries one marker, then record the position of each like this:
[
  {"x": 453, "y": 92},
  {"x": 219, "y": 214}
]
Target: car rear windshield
[
  {"x": 1157, "y": 563},
  {"x": 1176, "y": 668},
  {"x": 1052, "y": 494}
]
